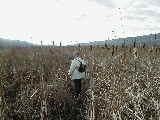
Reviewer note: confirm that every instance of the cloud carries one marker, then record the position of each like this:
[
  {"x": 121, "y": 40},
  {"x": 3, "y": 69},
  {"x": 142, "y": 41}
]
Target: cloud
[
  {"x": 81, "y": 17},
  {"x": 106, "y": 3},
  {"x": 146, "y": 12},
  {"x": 112, "y": 4},
  {"x": 138, "y": 18},
  {"x": 153, "y": 2},
  {"x": 76, "y": 20}
]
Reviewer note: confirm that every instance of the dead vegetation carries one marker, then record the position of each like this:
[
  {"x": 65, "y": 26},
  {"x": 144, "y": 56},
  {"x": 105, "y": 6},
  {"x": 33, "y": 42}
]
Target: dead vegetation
[{"x": 124, "y": 84}]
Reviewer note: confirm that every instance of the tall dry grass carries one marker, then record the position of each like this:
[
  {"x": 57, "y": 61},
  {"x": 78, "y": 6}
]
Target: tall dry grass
[{"x": 123, "y": 83}]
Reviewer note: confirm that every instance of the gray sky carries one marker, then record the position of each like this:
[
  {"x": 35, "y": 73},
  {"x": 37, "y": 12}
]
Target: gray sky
[{"x": 73, "y": 21}]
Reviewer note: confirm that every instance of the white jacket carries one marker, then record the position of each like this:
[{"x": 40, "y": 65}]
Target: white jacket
[{"x": 73, "y": 71}]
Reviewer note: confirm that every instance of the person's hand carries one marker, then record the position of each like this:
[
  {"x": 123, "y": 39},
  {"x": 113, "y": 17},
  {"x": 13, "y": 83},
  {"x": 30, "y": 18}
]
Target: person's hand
[{"x": 69, "y": 73}]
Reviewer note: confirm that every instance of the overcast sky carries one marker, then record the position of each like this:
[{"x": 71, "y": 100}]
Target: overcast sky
[{"x": 73, "y": 21}]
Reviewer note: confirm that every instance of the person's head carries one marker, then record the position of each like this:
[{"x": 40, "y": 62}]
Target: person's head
[{"x": 76, "y": 54}]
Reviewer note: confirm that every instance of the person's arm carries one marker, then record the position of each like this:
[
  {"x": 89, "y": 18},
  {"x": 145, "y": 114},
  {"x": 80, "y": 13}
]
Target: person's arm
[{"x": 72, "y": 67}]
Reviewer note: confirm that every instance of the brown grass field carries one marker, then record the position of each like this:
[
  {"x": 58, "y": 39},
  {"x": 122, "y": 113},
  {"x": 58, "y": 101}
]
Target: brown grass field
[{"x": 123, "y": 83}]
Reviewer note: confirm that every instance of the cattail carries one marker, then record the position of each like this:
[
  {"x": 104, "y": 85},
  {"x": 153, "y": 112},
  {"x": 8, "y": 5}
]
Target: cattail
[
  {"x": 106, "y": 45},
  {"x": 135, "y": 53},
  {"x": 144, "y": 45},
  {"x": 130, "y": 50},
  {"x": 91, "y": 47},
  {"x": 112, "y": 50},
  {"x": 53, "y": 43},
  {"x": 134, "y": 44},
  {"x": 156, "y": 50},
  {"x": 41, "y": 43},
  {"x": 116, "y": 48}
]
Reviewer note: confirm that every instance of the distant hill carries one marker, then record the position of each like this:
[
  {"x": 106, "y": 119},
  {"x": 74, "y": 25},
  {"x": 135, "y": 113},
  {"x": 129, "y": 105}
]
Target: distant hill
[
  {"x": 152, "y": 39},
  {"x": 6, "y": 43}
]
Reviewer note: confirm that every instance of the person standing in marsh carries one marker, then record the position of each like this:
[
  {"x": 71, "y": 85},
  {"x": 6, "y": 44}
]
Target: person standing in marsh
[{"x": 77, "y": 72}]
